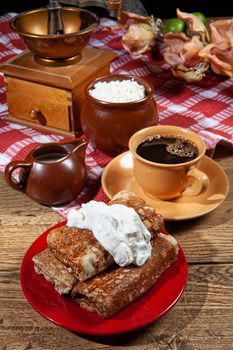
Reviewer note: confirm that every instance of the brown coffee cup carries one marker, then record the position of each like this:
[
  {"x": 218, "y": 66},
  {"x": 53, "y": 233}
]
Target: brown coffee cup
[{"x": 168, "y": 181}]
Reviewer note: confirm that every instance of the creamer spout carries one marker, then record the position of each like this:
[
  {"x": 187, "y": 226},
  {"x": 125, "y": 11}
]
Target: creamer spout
[
  {"x": 76, "y": 146},
  {"x": 81, "y": 148}
]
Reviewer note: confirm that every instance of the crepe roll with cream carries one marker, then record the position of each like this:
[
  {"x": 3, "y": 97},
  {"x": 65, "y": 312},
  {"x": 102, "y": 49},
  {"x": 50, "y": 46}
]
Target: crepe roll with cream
[
  {"x": 111, "y": 291},
  {"x": 98, "y": 234},
  {"x": 46, "y": 264},
  {"x": 79, "y": 250}
]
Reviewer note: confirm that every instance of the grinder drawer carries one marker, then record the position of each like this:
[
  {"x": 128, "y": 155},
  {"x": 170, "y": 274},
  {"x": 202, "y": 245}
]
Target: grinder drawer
[{"x": 40, "y": 104}]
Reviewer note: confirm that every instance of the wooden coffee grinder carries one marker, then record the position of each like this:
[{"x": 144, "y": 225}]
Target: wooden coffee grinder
[{"x": 45, "y": 84}]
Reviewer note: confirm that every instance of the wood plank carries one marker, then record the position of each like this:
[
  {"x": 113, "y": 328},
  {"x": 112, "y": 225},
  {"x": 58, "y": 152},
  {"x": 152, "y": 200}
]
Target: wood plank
[
  {"x": 198, "y": 315},
  {"x": 16, "y": 210}
]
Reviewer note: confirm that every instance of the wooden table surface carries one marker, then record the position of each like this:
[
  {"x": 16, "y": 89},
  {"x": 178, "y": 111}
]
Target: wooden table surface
[{"x": 201, "y": 319}]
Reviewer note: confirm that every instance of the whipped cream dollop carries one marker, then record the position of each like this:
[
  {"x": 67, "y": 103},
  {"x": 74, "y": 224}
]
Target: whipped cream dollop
[{"x": 118, "y": 228}]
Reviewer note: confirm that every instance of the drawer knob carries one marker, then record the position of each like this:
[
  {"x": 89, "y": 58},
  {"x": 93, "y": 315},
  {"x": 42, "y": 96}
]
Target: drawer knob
[{"x": 36, "y": 114}]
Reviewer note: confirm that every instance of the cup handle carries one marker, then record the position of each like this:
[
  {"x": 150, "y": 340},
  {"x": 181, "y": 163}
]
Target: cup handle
[
  {"x": 10, "y": 168},
  {"x": 198, "y": 186}
]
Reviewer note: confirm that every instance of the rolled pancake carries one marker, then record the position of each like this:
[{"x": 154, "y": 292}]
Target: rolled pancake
[
  {"x": 111, "y": 291},
  {"x": 80, "y": 250},
  {"x": 152, "y": 220},
  {"x": 54, "y": 271}
]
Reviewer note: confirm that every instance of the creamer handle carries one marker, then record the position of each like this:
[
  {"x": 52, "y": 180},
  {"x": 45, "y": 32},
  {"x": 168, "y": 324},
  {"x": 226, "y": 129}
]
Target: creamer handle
[{"x": 10, "y": 168}]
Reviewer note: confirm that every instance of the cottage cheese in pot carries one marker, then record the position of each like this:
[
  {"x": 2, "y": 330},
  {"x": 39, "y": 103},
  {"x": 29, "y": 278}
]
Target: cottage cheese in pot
[{"x": 127, "y": 90}]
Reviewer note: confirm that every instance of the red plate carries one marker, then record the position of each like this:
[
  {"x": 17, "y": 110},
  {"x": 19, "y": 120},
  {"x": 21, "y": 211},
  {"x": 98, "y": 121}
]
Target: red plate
[{"x": 66, "y": 313}]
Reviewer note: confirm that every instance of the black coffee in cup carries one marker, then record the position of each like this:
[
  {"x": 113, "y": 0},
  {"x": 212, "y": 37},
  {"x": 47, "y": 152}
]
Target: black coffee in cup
[{"x": 167, "y": 149}]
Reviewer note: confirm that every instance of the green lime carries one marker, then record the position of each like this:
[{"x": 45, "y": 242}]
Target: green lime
[
  {"x": 200, "y": 16},
  {"x": 174, "y": 25}
]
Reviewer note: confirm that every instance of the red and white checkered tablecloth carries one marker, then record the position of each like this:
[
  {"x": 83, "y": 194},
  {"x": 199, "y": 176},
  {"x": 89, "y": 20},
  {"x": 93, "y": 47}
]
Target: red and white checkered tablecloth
[{"x": 205, "y": 107}]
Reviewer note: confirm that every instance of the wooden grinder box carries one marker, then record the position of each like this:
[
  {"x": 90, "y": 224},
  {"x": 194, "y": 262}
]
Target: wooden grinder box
[{"x": 50, "y": 98}]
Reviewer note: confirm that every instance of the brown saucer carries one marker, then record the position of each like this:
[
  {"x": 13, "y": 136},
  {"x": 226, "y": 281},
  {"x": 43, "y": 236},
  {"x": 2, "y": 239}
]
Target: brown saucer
[{"x": 118, "y": 175}]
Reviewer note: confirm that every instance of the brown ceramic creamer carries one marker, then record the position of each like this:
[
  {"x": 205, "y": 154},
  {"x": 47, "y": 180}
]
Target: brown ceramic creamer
[
  {"x": 51, "y": 174},
  {"x": 109, "y": 125}
]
